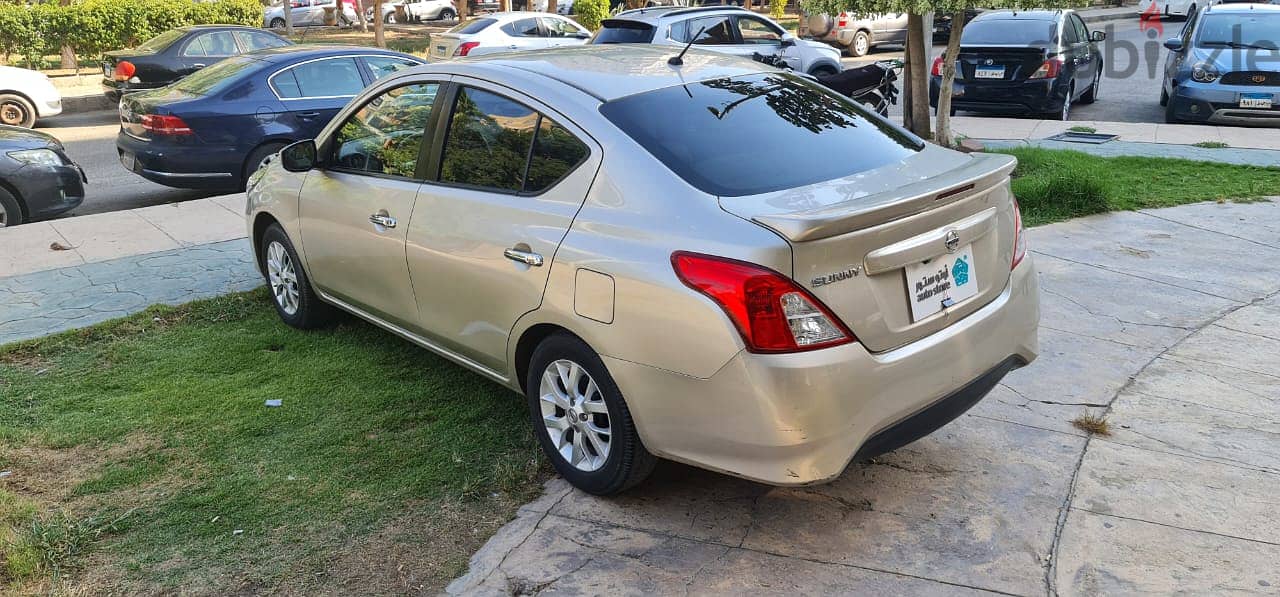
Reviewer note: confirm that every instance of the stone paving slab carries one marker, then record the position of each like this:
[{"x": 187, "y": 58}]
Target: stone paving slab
[
  {"x": 1152, "y": 319},
  {"x": 51, "y": 301},
  {"x": 986, "y": 127}
]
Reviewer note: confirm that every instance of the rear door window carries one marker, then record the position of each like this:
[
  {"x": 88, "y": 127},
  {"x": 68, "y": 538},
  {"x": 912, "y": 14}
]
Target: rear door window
[
  {"x": 708, "y": 31},
  {"x": 329, "y": 77},
  {"x": 711, "y": 133},
  {"x": 250, "y": 40},
  {"x": 523, "y": 28},
  {"x": 218, "y": 43}
]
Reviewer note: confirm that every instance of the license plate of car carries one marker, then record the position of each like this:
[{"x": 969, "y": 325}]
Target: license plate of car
[
  {"x": 440, "y": 50},
  {"x": 106, "y": 71},
  {"x": 128, "y": 161},
  {"x": 989, "y": 72},
  {"x": 941, "y": 282},
  {"x": 1255, "y": 100}
]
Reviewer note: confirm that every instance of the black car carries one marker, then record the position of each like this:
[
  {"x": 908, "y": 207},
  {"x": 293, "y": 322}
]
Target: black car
[
  {"x": 1024, "y": 62},
  {"x": 214, "y": 128},
  {"x": 37, "y": 179},
  {"x": 177, "y": 53}
]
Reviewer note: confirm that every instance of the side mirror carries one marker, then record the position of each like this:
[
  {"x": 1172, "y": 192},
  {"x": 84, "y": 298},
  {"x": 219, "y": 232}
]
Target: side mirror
[
  {"x": 1098, "y": 36},
  {"x": 788, "y": 40},
  {"x": 1173, "y": 43},
  {"x": 299, "y": 157},
  {"x": 583, "y": 35}
]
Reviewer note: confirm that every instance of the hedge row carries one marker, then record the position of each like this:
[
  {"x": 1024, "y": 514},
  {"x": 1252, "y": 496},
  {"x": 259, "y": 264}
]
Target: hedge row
[{"x": 91, "y": 27}]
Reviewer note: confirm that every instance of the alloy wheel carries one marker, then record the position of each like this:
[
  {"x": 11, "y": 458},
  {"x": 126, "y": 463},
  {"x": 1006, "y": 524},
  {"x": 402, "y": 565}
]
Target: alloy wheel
[
  {"x": 4, "y": 216},
  {"x": 861, "y": 45},
  {"x": 282, "y": 277},
  {"x": 1066, "y": 106},
  {"x": 12, "y": 114},
  {"x": 575, "y": 415}
]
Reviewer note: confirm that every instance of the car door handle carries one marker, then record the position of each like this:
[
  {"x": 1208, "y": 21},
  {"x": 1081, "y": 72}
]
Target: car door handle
[
  {"x": 308, "y": 115},
  {"x": 198, "y": 65},
  {"x": 525, "y": 257},
  {"x": 383, "y": 220}
]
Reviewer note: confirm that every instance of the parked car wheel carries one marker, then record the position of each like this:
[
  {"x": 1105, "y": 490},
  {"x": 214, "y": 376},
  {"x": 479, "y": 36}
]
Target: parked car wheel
[
  {"x": 297, "y": 303},
  {"x": 259, "y": 156},
  {"x": 1170, "y": 116},
  {"x": 860, "y": 45},
  {"x": 448, "y": 14},
  {"x": 581, "y": 419},
  {"x": 10, "y": 209},
  {"x": 1164, "y": 96},
  {"x": 15, "y": 110},
  {"x": 1065, "y": 112},
  {"x": 389, "y": 18},
  {"x": 1091, "y": 95},
  {"x": 277, "y": 23}
]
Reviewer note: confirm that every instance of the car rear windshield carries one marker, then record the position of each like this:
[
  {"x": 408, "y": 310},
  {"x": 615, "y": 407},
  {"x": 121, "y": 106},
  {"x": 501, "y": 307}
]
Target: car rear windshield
[
  {"x": 1005, "y": 32},
  {"x": 758, "y": 133},
  {"x": 213, "y": 79},
  {"x": 622, "y": 31},
  {"x": 1251, "y": 31},
  {"x": 475, "y": 26},
  {"x": 162, "y": 41}
]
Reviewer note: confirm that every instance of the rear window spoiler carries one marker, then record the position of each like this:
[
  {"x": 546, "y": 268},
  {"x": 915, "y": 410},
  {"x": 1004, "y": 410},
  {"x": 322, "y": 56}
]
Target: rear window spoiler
[{"x": 979, "y": 175}]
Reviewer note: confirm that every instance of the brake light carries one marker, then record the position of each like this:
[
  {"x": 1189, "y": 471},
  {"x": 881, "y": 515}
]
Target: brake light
[
  {"x": 843, "y": 21},
  {"x": 937, "y": 67},
  {"x": 1019, "y": 236},
  {"x": 124, "y": 70},
  {"x": 773, "y": 314},
  {"x": 465, "y": 48},
  {"x": 163, "y": 124},
  {"x": 1049, "y": 69}
]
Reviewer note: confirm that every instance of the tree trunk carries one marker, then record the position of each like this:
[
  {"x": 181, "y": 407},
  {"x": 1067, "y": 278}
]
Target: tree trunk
[
  {"x": 747, "y": 4},
  {"x": 69, "y": 58},
  {"x": 461, "y": 9},
  {"x": 504, "y": 5},
  {"x": 288, "y": 18},
  {"x": 944, "y": 137},
  {"x": 379, "y": 37},
  {"x": 917, "y": 73},
  {"x": 551, "y": 6},
  {"x": 364, "y": 23}
]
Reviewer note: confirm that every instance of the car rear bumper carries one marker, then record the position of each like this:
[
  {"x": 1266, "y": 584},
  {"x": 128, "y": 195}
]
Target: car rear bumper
[
  {"x": 1220, "y": 104},
  {"x": 1005, "y": 97},
  {"x": 798, "y": 419},
  {"x": 181, "y": 165}
]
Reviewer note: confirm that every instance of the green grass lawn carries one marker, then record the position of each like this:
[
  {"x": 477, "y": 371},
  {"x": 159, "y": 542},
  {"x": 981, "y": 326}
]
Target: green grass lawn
[
  {"x": 1053, "y": 185},
  {"x": 144, "y": 460}
]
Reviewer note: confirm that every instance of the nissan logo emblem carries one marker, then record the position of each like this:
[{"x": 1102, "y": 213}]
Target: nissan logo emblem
[
  {"x": 988, "y": 61},
  {"x": 952, "y": 241}
]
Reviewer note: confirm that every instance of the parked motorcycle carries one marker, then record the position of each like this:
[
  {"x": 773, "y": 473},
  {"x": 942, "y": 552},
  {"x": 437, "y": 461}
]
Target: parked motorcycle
[{"x": 874, "y": 85}]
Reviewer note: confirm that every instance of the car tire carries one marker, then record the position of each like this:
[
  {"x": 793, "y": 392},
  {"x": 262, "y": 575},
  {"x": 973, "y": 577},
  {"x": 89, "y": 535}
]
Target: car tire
[
  {"x": 1064, "y": 113},
  {"x": 296, "y": 302},
  {"x": 277, "y": 23},
  {"x": 390, "y": 18},
  {"x": 824, "y": 70},
  {"x": 1170, "y": 116},
  {"x": 255, "y": 159},
  {"x": 16, "y": 110},
  {"x": 861, "y": 44},
  {"x": 583, "y": 404},
  {"x": 1091, "y": 95},
  {"x": 448, "y": 14},
  {"x": 1164, "y": 96},
  {"x": 11, "y": 213}
]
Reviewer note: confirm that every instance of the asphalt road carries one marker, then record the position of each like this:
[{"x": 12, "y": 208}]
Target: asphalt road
[
  {"x": 1131, "y": 83},
  {"x": 1130, "y": 93}
]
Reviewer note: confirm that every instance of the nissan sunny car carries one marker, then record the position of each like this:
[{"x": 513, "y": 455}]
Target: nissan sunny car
[{"x": 593, "y": 228}]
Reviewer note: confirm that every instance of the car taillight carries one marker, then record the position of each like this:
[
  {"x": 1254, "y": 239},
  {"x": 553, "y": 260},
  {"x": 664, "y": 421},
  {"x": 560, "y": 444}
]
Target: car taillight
[
  {"x": 772, "y": 313},
  {"x": 465, "y": 48},
  {"x": 937, "y": 67},
  {"x": 1049, "y": 69},
  {"x": 164, "y": 124},
  {"x": 843, "y": 21},
  {"x": 1019, "y": 236},
  {"x": 124, "y": 70}
]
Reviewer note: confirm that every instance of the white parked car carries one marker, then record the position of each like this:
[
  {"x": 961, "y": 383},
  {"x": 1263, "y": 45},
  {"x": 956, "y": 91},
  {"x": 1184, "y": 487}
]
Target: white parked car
[
  {"x": 1172, "y": 8},
  {"x": 305, "y": 13},
  {"x": 430, "y": 10},
  {"x": 507, "y": 32},
  {"x": 25, "y": 96},
  {"x": 727, "y": 29}
]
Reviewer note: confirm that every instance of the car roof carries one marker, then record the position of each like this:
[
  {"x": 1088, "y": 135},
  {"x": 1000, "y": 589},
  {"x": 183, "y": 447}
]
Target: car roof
[
  {"x": 653, "y": 14},
  {"x": 284, "y": 53},
  {"x": 606, "y": 72},
  {"x": 1021, "y": 15},
  {"x": 204, "y": 27},
  {"x": 1239, "y": 8},
  {"x": 512, "y": 15}
]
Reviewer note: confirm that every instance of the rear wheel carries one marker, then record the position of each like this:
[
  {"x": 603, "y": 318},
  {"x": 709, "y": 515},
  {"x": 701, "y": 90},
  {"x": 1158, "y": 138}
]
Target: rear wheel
[
  {"x": 389, "y": 18},
  {"x": 10, "y": 210},
  {"x": 581, "y": 419},
  {"x": 1164, "y": 96},
  {"x": 448, "y": 14},
  {"x": 296, "y": 302},
  {"x": 256, "y": 159},
  {"x": 1065, "y": 112},
  {"x": 860, "y": 45},
  {"x": 15, "y": 110},
  {"x": 277, "y": 23}
]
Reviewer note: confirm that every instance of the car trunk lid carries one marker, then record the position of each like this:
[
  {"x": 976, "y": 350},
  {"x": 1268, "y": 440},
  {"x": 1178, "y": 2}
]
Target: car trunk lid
[
  {"x": 134, "y": 106},
  {"x": 1000, "y": 63},
  {"x": 871, "y": 244},
  {"x": 443, "y": 45}
]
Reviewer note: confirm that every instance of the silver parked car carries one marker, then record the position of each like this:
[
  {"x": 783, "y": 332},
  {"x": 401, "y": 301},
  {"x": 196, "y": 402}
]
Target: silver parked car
[
  {"x": 858, "y": 34},
  {"x": 507, "y": 32},
  {"x": 594, "y": 228}
]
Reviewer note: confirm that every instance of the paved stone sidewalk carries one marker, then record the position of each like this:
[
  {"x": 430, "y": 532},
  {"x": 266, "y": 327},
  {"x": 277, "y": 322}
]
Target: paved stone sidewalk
[
  {"x": 1227, "y": 155},
  {"x": 1165, "y": 321},
  {"x": 46, "y": 302}
]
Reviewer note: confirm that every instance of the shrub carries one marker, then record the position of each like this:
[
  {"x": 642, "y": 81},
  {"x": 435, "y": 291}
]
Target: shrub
[
  {"x": 1053, "y": 190},
  {"x": 777, "y": 9},
  {"x": 590, "y": 12}
]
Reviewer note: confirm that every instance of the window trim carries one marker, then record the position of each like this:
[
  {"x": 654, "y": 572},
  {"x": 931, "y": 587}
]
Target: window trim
[
  {"x": 424, "y": 146},
  {"x": 271, "y": 84}
]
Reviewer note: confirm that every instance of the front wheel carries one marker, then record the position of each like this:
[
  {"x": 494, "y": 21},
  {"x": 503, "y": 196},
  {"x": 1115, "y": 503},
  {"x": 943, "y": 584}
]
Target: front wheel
[
  {"x": 581, "y": 419},
  {"x": 277, "y": 23},
  {"x": 296, "y": 302},
  {"x": 10, "y": 210},
  {"x": 1170, "y": 116},
  {"x": 448, "y": 14},
  {"x": 15, "y": 110}
]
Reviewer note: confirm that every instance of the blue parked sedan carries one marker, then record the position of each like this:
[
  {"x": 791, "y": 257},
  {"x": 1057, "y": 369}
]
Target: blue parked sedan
[
  {"x": 214, "y": 128},
  {"x": 1224, "y": 67}
]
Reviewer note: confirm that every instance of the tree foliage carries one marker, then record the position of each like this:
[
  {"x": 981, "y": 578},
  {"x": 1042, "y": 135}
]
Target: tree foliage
[{"x": 589, "y": 13}]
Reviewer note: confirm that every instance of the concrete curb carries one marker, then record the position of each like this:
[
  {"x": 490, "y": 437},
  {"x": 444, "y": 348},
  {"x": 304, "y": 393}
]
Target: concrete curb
[{"x": 77, "y": 104}]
